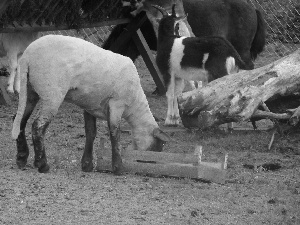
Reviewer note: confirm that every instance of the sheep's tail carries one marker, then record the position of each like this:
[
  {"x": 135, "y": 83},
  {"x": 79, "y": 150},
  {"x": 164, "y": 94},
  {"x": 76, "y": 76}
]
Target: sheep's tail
[{"x": 22, "y": 97}]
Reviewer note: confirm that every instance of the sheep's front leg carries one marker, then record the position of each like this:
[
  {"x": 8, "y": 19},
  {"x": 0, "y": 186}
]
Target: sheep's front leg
[
  {"x": 39, "y": 127},
  {"x": 90, "y": 133},
  {"x": 115, "y": 111}
]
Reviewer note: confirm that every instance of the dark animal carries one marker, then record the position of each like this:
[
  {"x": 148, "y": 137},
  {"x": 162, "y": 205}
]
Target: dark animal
[
  {"x": 235, "y": 20},
  {"x": 190, "y": 58},
  {"x": 130, "y": 48}
]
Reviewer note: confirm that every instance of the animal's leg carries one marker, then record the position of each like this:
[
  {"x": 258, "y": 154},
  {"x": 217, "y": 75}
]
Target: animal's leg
[
  {"x": 179, "y": 86},
  {"x": 90, "y": 133},
  {"x": 48, "y": 111},
  {"x": 17, "y": 82},
  {"x": 115, "y": 111},
  {"x": 22, "y": 147},
  {"x": 13, "y": 64},
  {"x": 170, "y": 96}
]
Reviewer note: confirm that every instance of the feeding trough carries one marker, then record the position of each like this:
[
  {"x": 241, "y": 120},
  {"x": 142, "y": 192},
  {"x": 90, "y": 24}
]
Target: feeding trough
[{"x": 165, "y": 164}]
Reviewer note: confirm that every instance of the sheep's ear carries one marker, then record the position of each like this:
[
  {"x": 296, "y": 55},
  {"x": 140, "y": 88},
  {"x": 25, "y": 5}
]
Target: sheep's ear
[{"x": 158, "y": 133}]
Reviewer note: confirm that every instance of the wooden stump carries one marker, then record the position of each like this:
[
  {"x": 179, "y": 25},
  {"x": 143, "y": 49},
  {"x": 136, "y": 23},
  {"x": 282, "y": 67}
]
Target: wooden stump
[{"x": 246, "y": 95}]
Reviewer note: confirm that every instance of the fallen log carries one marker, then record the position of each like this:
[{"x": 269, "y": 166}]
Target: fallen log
[{"x": 269, "y": 92}]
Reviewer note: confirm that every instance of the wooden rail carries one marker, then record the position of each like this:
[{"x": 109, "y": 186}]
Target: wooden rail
[
  {"x": 43, "y": 28},
  {"x": 132, "y": 32}
]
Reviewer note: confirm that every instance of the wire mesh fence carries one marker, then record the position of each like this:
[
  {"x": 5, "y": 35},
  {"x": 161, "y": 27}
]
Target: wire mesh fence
[
  {"x": 282, "y": 19},
  {"x": 96, "y": 35}
]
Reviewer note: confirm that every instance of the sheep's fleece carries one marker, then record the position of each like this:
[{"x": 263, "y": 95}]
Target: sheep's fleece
[{"x": 61, "y": 67}]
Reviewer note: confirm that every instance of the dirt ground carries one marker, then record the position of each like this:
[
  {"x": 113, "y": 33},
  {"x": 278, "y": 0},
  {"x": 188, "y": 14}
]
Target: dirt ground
[{"x": 66, "y": 195}]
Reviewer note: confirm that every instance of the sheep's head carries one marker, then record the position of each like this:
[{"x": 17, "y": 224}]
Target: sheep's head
[
  {"x": 171, "y": 24},
  {"x": 150, "y": 141}
]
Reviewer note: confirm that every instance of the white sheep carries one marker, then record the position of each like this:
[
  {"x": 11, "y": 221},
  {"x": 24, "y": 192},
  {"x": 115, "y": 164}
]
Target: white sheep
[
  {"x": 13, "y": 45},
  {"x": 106, "y": 85}
]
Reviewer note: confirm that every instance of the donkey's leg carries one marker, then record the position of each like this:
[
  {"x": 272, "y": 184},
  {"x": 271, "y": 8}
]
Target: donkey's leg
[
  {"x": 170, "y": 96},
  {"x": 115, "y": 111},
  {"x": 48, "y": 111},
  {"x": 22, "y": 147},
  {"x": 90, "y": 133}
]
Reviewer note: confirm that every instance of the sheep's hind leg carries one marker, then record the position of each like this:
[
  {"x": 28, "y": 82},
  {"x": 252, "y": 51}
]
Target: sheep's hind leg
[
  {"x": 22, "y": 147},
  {"x": 115, "y": 111},
  {"x": 39, "y": 127},
  {"x": 90, "y": 133}
]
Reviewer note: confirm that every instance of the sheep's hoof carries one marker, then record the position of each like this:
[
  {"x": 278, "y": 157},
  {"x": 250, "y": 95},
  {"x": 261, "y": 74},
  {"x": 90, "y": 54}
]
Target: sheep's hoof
[
  {"x": 117, "y": 169},
  {"x": 172, "y": 121},
  {"x": 22, "y": 159},
  {"x": 87, "y": 167},
  {"x": 44, "y": 168},
  {"x": 21, "y": 164}
]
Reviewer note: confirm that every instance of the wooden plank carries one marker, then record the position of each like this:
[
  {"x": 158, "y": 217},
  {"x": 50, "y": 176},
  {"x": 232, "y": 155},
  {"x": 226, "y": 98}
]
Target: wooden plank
[
  {"x": 170, "y": 169},
  {"x": 127, "y": 128},
  {"x": 128, "y": 32},
  {"x": 36, "y": 27},
  {"x": 210, "y": 174},
  {"x": 149, "y": 60},
  {"x": 150, "y": 156},
  {"x": 164, "y": 164},
  {"x": 159, "y": 157},
  {"x": 162, "y": 157}
]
